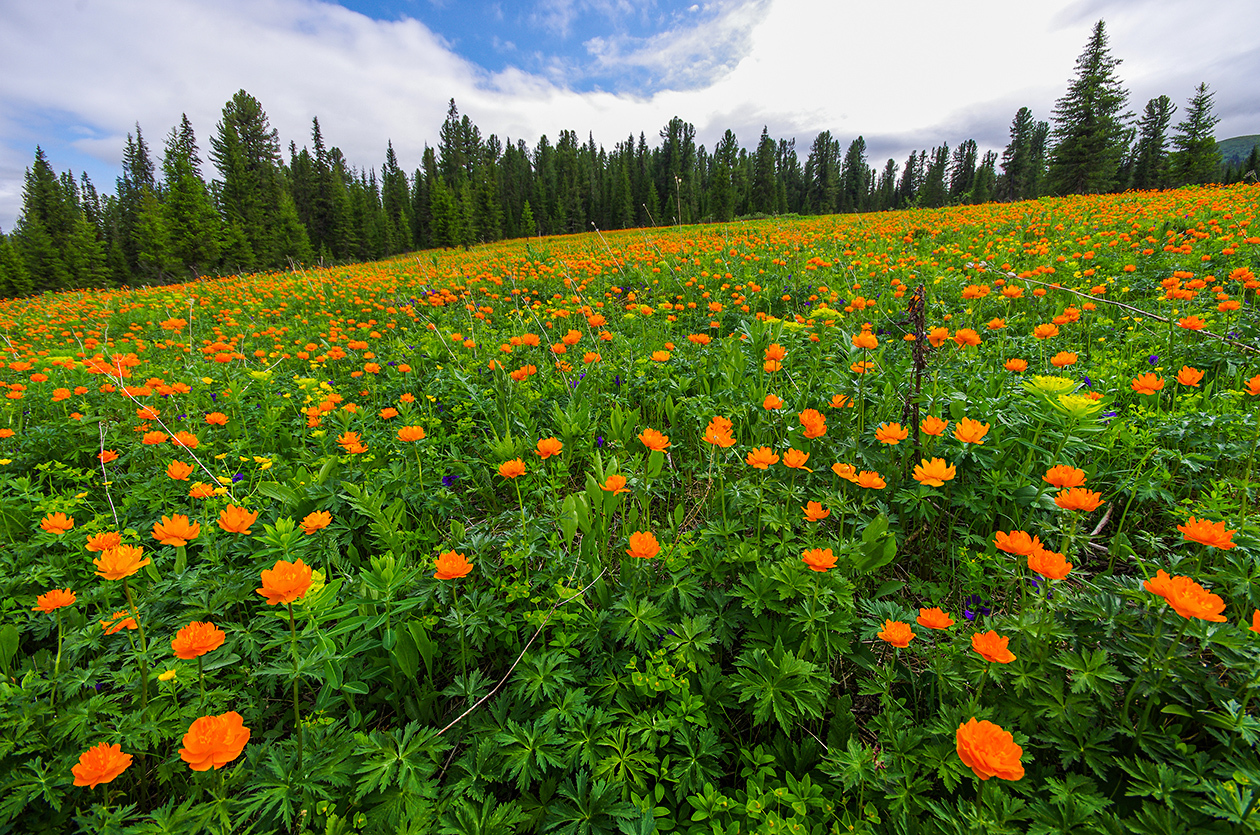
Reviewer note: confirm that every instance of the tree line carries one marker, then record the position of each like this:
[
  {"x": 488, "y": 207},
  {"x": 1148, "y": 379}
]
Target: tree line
[{"x": 165, "y": 222}]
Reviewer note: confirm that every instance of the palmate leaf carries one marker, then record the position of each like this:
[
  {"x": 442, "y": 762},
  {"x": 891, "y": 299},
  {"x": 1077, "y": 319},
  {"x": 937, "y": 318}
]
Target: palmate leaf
[
  {"x": 587, "y": 808},
  {"x": 642, "y": 623},
  {"x": 406, "y": 759},
  {"x": 529, "y": 752},
  {"x": 780, "y": 684},
  {"x": 491, "y": 817}
]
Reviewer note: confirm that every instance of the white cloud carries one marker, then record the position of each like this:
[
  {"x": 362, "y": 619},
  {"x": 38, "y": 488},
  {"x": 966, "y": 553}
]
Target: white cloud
[{"x": 901, "y": 71}]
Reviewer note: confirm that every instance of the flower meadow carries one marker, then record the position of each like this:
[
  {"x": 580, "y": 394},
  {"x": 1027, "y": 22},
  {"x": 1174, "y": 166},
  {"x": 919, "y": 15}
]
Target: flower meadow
[{"x": 916, "y": 522}]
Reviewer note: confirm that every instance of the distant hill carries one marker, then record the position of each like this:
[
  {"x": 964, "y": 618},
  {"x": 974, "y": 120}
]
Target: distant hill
[{"x": 1237, "y": 148}]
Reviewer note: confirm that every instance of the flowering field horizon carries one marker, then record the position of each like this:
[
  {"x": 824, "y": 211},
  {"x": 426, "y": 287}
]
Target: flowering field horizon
[{"x": 921, "y": 521}]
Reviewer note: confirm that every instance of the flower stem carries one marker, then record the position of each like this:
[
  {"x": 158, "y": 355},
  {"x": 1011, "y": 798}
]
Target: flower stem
[
  {"x": 144, "y": 667},
  {"x": 297, "y": 716}
]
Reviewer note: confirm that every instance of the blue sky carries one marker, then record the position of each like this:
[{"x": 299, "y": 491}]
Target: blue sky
[{"x": 77, "y": 75}]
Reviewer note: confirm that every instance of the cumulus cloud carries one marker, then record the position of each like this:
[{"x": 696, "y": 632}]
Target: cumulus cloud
[{"x": 76, "y": 76}]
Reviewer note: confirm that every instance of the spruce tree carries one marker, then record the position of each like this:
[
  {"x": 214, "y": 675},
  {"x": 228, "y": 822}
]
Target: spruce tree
[
  {"x": 1089, "y": 128},
  {"x": 193, "y": 226},
  {"x": 14, "y": 279},
  {"x": 854, "y": 173},
  {"x": 1150, "y": 163},
  {"x": 1197, "y": 159}
]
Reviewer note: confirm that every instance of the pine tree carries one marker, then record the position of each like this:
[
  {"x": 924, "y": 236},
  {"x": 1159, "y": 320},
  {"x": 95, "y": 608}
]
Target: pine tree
[
  {"x": 962, "y": 170},
  {"x": 985, "y": 184},
  {"x": 721, "y": 182},
  {"x": 14, "y": 279},
  {"x": 396, "y": 201},
  {"x": 1150, "y": 164},
  {"x": 854, "y": 174},
  {"x": 193, "y": 226},
  {"x": 1024, "y": 159},
  {"x": 1197, "y": 159},
  {"x": 1089, "y": 124},
  {"x": 137, "y": 175},
  {"x": 764, "y": 198},
  {"x": 934, "y": 194},
  {"x": 822, "y": 175}
]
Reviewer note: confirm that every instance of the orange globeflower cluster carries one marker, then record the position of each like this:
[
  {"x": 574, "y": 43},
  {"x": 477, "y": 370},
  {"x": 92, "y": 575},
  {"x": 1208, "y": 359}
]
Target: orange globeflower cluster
[
  {"x": 214, "y": 741},
  {"x": 1049, "y": 564},
  {"x": 971, "y": 431},
  {"x": 57, "y": 523},
  {"x": 1078, "y": 498},
  {"x": 1186, "y": 597},
  {"x": 654, "y": 440},
  {"x": 316, "y": 521},
  {"x": 235, "y": 519},
  {"x": 351, "y": 443},
  {"x": 285, "y": 582},
  {"x": 615, "y": 484},
  {"x": 643, "y": 545},
  {"x": 815, "y": 425},
  {"x": 1146, "y": 383},
  {"x": 896, "y": 633},
  {"x": 176, "y": 530},
  {"x": 196, "y": 639},
  {"x": 451, "y": 566},
  {"x": 512, "y": 469},
  {"x": 718, "y": 432},
  {"x": 934, "y": 618},
  {"x": 815, "y": 512},
  {"x": 992, "y": 647},
  {"x": 409, "y": 434},
  {"x": 1018, "y": 543},
  {"x": 795, "y": 459},
  {"x": 933, "y": 425},
  {"x": 761, "y": 458},
  {"x": 100, "y": 764},
  {"x": 819, "y": 559},
  {"x": 120, "y": 561},
  {"x": 51, "y": 601},
  {"x": 1207, "y": 533},
  {"x": 1062, "y": 475},
  {"x": 548, "y": 447},
  {"x": 933, "y": 473},
  {"x": 988, "y": 750}
]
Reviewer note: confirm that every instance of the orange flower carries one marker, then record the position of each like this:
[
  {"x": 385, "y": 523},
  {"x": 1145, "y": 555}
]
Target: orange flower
[
  {"x": 1207, "y": 533},
  {"x": 762, "y": 458},
  {"x": 187, "y": 440},
  {"x": 896, "y": 633},
  {"x": 100, "y": 764},
  {"x": 285, "y": 582},
  {"x": 1062, "y": 475},
  {"x": 351, "y": 443},
  {"x": 176, "y": 530},
  {"x": 1193, "y": 323},
  {"x": 933, "y": 425},
  {"x": 1049, "y": 564},
  {"x": 1191, "y": 600},
  {"x": 235, "y": 519},
  {"x": 107, "y": 455},
  {"x": 796, "y": 459},
  {"x": 861, "y": 367},
  {"x": 815, "y": 512},
  {"x": 839, "y": 401},
  {"x": 870, "y": 480},
  {"x": 214, "y": 741},
  {"x": 512, "y": 469},
  {"x": 1147, "y": 383},
  {"x": 1158, "y": 584},
  {"x": 408, "y": 434},
  {"x": 1188, "y": 376},
  {"x": 1018, "y": 543},
  {"x": 988, "y": 750},
  {"x": 200, "y": 491},
  {"x": 615, "y": 484},
  {"x": 771, "y": 402},
  {"x": 57, "y": 523},
  {"x": 934, "y": 618},
  {"x": 1045, "y": 331},
  {"x": 660, "y": 356},
  {"x": 933, "y": 473},
  {"x": 451, "y": 566},
  {"x": 845, "y": 471},
  {"x": 776, "y": 351},
  {"x": 814, "y": 422},
  {"x": 1016, "y": 365},
  {"x": 105, "y": 539},
  {"x": 179, "y": 471},
  {"x": 1255, "y": 621},
  {"x": 197, "y": 639},
  {"x": 1063, "y": 359},
  {"x": 1078, "y": 498},
  {"x": 216, "y": 419},
  {"x": 120, "y": 561},
  {"x": 819, "y": 559},
  {"x": 548, "y": 447},
  {"x": 937, "y": 336},
  {"x": 718, "y": 433},
  {"x": 50, "y": 601},
  {"x": 654, "y": 440},
  {"x": 316, "y": 521},
  {"x": 1253, "y": 386},
  {"x": 996, "y": 324},
  {"x": 771, "y": 366},
  {"x": 118, "y": 622},
  {"x": 971, "y": 431},
  {"x": 865, "y": 340},
  {"x": 643, "y": 545},
  {"x": 891, "y": 433},
  {"x": 153, "y": 438},
  {"x": 992, "y": 647}
]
